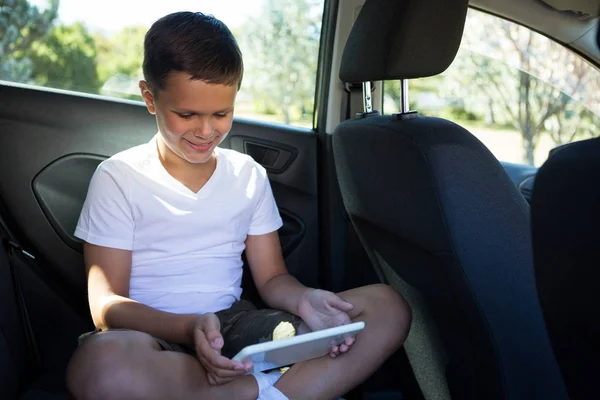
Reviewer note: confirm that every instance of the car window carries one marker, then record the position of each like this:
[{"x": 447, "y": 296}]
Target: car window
[
  {"x": 97, "y": 47},
  {"x": 519, "y": 92}
]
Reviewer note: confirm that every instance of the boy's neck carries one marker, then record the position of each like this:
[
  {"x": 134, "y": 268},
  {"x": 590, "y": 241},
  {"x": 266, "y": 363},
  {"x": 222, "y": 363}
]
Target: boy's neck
[{"x": 194, "y": 176}]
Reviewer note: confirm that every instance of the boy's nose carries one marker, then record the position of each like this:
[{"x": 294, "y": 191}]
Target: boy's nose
[{"x": 205, "y": 130}]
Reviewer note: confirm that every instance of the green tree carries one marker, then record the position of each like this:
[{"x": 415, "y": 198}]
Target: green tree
[
  {"x": 281, "y": 53},
  {"x": 120, "y": 60},
  {"x": 65, "y": 59},
  {"x": 21, "y": 24}
]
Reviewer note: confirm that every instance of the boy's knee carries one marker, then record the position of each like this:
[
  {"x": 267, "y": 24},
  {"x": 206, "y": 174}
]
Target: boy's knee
[
  {"x": 101, "y": 368},
  {"x": 387, "y": 303}
]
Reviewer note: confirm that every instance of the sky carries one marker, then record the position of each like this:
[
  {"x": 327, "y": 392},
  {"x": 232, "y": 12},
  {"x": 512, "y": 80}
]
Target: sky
[{"x": 112, "y": 15}]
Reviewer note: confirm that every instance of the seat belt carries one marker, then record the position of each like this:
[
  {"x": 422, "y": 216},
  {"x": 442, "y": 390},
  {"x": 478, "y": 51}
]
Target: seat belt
[
  {"x": 14, "y": 250},
  {"x": 354, "y": 100}
]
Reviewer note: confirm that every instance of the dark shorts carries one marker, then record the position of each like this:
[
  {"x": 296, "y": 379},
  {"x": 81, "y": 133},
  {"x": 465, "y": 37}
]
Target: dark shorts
[{"x": 241, "y": 325}]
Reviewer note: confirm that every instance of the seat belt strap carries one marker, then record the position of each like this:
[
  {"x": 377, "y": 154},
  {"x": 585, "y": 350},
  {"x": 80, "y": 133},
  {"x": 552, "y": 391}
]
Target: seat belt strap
[
  {"x": 354, "y": 100},
  {"x": 14, "y": 250}
]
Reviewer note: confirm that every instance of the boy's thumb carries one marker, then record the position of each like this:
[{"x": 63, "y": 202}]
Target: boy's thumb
[
  {"x": 212, "y": 330},
  {"x": 216, "y": 340}
]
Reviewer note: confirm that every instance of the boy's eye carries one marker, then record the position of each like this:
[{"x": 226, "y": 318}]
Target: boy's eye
[
  {"x": 185, "y": 116},
  {"x": 221, "y": 115}
]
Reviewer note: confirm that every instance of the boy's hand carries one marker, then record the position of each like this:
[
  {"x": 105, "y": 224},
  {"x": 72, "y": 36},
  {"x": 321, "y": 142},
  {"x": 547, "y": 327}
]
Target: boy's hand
[
  {"x": 208, "y": 343},
  {"x": 320, "y": 309}
]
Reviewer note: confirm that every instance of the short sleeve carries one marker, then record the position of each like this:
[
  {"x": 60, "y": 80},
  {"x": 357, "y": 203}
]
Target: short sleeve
[
  {"x": 106, "y": 218},
  {"x": 266, "y": 218}
]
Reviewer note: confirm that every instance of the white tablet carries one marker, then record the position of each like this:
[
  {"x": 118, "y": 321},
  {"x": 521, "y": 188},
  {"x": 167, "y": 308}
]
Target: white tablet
[{"x": 284, "y": 352}]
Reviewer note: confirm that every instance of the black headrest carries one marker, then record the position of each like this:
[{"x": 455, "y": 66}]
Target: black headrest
[{"x": 403, "y": 39}]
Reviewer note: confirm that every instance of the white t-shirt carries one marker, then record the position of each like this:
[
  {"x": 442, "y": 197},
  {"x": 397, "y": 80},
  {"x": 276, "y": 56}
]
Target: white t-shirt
[{"x": 186, "y": 247}]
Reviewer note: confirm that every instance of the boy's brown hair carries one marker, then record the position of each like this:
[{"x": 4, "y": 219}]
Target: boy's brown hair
[{"x": 194, "y": 43}]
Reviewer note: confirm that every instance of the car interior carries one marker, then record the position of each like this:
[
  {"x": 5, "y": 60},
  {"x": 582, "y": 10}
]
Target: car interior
[{"x": 494, "y": 257}]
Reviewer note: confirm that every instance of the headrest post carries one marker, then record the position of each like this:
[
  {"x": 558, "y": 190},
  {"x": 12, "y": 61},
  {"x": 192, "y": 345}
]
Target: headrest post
[
  {"x": 368, "y": 101},
  {"x": 405, "y": 113},
  {"x": 404, "y": 107}
]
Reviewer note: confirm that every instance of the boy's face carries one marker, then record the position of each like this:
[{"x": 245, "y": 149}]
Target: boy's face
[{"x": 193, "y": 116}]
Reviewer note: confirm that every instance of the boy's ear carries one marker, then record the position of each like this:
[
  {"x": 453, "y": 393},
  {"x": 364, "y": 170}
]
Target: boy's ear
[{"x": 148, "y": 97}]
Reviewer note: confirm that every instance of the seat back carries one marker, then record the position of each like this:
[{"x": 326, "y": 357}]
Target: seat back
[
  {"x": 441, "y": 220},
  {"x": 565, "y": 215}
]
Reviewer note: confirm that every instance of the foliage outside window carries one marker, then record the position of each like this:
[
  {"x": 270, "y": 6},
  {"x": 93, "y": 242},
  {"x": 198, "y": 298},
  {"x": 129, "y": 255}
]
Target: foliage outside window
[
  {"x": 65, "y": 44},
  {"x": 519, "y": 92}
]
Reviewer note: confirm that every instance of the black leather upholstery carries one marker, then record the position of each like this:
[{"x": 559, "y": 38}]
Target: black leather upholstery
[
  {"x": 565, "y": 218},
  {"x": 13, "y": 347},
  {"x": 18, "y": 378},
  {"x": 434, "y": 205}
]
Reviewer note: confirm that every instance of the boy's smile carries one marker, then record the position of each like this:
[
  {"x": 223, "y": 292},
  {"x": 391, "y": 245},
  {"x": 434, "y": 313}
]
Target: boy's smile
[{"x": 193, "y": 117}]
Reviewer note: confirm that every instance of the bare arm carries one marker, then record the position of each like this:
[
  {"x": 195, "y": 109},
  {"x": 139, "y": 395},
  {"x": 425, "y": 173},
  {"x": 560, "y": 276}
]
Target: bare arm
[
  {"x": 108, "y": 272},
  {"x": 276, "y": 286},
  {"x": 319, "y": 309}
]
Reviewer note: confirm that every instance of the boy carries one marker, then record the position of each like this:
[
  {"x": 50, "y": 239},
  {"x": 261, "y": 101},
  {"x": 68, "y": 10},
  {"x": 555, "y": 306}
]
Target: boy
[{"x": 164, "y": 226}]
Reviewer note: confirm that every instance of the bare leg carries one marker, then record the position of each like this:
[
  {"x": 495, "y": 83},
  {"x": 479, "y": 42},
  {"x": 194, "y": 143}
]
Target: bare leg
[
  {"x": 130, "y": 365},
  {"x": 387, "y": 319}
]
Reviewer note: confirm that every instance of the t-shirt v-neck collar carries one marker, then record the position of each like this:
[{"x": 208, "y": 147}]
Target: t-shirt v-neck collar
[{"x": 176, "y": 185}]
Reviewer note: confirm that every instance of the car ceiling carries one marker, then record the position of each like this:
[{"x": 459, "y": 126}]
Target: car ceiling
[{"x": 562, "y": 20}]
